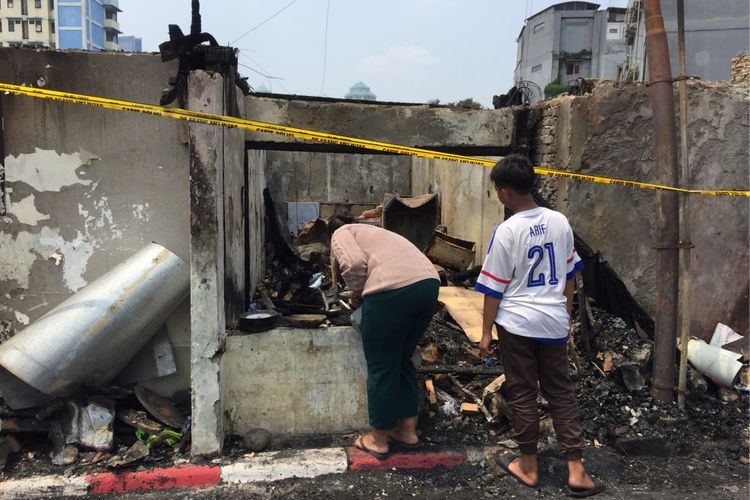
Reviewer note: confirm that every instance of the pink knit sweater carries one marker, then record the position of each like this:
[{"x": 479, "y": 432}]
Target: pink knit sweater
[{"x": 375, "y": 260}]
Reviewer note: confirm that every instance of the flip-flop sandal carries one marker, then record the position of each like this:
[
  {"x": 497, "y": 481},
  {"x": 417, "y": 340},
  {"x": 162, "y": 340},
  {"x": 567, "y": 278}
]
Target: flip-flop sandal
[
  {"x": 359, "y": 444},
  {"x": 505, "y": 460},
  {"x": 586, "y": 492},
  {"x": 400, "y": 445}
]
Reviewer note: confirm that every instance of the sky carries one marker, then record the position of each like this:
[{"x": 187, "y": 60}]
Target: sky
[{"x": 405, "y": 50}]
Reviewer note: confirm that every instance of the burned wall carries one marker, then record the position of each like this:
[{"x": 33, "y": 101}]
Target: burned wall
[
  {"x": 609, "y": 133},
  {"x": 336, "y": 177},
  {"x": 408, "y": 125},
  {"x": 86, "y": 187},
  {"x": 469, "y": 207},
  {"x": 327, "y": 175}
]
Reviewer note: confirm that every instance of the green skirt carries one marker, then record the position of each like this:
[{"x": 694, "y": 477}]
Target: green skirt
[{"x": 392, "y": 324}]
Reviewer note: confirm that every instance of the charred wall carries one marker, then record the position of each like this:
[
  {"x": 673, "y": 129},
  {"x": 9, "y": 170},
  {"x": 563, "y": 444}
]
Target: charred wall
[{"x": 609, "y": 133}]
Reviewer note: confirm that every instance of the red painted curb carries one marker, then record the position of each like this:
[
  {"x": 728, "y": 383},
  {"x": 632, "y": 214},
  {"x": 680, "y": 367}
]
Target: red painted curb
[
  {"x": 156, "y": 479},
  {"x": 359, "y": 460}
]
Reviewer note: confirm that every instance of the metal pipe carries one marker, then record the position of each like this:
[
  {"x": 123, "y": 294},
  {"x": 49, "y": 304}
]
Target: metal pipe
[
  {"x": 90, "y": 337},
  {"x": 685, "y": 243},
  {"x": 667, "y": 213}
]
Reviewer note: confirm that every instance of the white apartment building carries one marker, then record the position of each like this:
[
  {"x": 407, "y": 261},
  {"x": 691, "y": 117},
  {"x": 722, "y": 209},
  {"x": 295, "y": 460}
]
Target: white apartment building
[
  {"x": 27, "y": 23},
  {"x": 62, "y": 24}
]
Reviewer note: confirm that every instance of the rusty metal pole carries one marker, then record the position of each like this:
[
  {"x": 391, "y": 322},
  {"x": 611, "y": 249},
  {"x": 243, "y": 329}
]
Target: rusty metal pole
[
  {"x": 667, "y": 210},
  {"x": 685, "y": 243}
]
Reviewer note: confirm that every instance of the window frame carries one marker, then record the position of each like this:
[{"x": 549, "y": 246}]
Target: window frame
[{"x": 570, "y": 69}]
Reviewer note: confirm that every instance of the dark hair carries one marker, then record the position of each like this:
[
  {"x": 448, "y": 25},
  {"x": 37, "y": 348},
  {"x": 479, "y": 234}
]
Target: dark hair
[
  {"x": 339, "y": 220},
  {"x": 514, "y": 171}
]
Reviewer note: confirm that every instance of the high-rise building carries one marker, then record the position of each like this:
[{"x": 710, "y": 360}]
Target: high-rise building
[
  {"x": 65, "y": 24},
  {"x": 567, "y": 41},
  {"x": 88, "y": 24},
  {"x": 27, "y": 23},
  {"x": 130, "y": 43}
]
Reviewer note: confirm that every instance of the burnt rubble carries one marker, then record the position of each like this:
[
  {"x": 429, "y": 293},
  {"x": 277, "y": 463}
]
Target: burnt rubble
[
  {"x": 107, "y": 429},
  {"x": 616, "y": 406}
]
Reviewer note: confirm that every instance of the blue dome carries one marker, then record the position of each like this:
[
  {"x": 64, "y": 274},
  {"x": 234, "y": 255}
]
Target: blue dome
[{"x": 360, "y": 92}]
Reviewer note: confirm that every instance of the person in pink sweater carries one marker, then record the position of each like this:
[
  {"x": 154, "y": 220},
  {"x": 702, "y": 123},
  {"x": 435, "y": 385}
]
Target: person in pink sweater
[{"x": 398, "y": 288}]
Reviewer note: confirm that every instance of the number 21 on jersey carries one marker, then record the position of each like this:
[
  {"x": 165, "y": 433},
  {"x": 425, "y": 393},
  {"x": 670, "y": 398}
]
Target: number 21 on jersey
[{"x": 537, "y": 254}]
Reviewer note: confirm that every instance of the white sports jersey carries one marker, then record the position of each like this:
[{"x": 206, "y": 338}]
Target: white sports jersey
[{"x": 531, "y": 256}]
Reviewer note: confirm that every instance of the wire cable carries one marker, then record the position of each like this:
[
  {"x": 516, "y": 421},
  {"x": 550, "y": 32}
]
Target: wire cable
[
  {"x": 262, "y": 23},
  {"x": 325, "y": 50},
  {"x": 261, "y": 74}
]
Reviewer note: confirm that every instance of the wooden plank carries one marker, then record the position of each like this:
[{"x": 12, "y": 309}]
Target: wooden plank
[
  {"x": 430, "y": 386},
  {"x": 466, "y": 307},
  {"x": 469, "y": 408}
]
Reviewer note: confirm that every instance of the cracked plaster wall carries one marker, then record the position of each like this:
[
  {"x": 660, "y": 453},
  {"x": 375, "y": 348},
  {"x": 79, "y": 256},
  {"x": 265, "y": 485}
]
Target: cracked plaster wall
[
  {"x": 609, "y": 133},
  {"x": 85, "y": 187}
]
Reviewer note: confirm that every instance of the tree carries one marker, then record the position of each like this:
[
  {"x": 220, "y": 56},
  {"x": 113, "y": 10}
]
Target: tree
[
  {"x": 468, "y": 103},
  {"x": 554, "y": 89}
]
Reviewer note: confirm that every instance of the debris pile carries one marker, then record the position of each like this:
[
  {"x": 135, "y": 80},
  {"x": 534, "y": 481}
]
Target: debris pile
[
  {"x": 463, "y": 401},
  {"x": 65, "y": 380},
  {"x": 110, "y": 427},
  {"x": 613, "y": 389}
]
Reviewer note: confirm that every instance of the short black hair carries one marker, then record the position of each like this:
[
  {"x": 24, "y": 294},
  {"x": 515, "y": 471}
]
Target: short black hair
[
  {"x": 514, "y": 171},
  {"x": 338, "y": 221}
]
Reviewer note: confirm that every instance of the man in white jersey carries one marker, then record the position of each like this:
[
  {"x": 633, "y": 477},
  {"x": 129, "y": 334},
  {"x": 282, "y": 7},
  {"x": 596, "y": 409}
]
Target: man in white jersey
[{"x": 527, "y": 279}]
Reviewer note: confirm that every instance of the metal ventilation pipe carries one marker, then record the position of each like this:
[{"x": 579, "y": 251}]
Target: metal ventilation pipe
[
  {"x": 667, "y": 209},
  {"x": 90, "y": 337}
]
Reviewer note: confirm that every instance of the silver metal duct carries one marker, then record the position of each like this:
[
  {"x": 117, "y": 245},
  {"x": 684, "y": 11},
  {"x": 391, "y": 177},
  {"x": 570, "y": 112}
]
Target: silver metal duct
[{"x": 89, "y": 338}]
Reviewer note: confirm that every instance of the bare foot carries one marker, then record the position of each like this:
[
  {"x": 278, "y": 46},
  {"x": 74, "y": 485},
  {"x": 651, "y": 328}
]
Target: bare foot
[
  {"x": 404, "y": 437},
  {"x": 372, "y": 444},
  {"x": 525, "y": 468},
  {"x": 578, "y": 477}
]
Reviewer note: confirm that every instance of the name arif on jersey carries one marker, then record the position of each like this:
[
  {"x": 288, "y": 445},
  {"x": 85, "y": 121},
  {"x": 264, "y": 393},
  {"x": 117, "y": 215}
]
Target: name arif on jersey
[{"x": 530, "y": 258}]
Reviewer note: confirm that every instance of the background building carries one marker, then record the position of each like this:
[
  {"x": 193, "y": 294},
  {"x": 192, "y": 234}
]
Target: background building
[
  {"x": 130, "y": 43},
  {"x": 88, "y": 24},
  {"x": 360, "y": 92},
  {"x": 715, "y": 32},
  {"x": 570, "y": 40},
  {"x": 27, "y": 23},
  {"x": 65, "y": 24}
]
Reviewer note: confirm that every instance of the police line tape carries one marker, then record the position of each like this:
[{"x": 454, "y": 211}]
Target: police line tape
[{"x": 311, "y": 135}]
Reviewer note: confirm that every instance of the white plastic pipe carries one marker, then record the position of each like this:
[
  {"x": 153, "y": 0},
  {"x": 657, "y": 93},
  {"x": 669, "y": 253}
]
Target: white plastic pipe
[{"x": 719, "y": 364}]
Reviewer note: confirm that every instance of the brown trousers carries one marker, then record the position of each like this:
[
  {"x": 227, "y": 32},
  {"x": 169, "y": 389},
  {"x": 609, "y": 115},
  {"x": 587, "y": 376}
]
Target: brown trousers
[{"x": 530, "y": 366}]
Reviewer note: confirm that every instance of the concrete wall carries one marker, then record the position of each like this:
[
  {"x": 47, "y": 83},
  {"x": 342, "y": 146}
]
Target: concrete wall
[
  {"x": 336, "y": 177},
  {"x": 468, "y": 204},
  {"x": 366, "y": 178},
  {"x": 86, "y": 187},
  {"x": 217, "y": 250},
  {"x": 399, "y": 124},
  {"x": 610, "y": 134},
  {"x": 293, "y": 381},
  {"x": 256, "y": 183}
]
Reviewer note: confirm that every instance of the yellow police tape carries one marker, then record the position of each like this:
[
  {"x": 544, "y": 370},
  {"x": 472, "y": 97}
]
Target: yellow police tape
[{"x": 311, "y": 135}]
